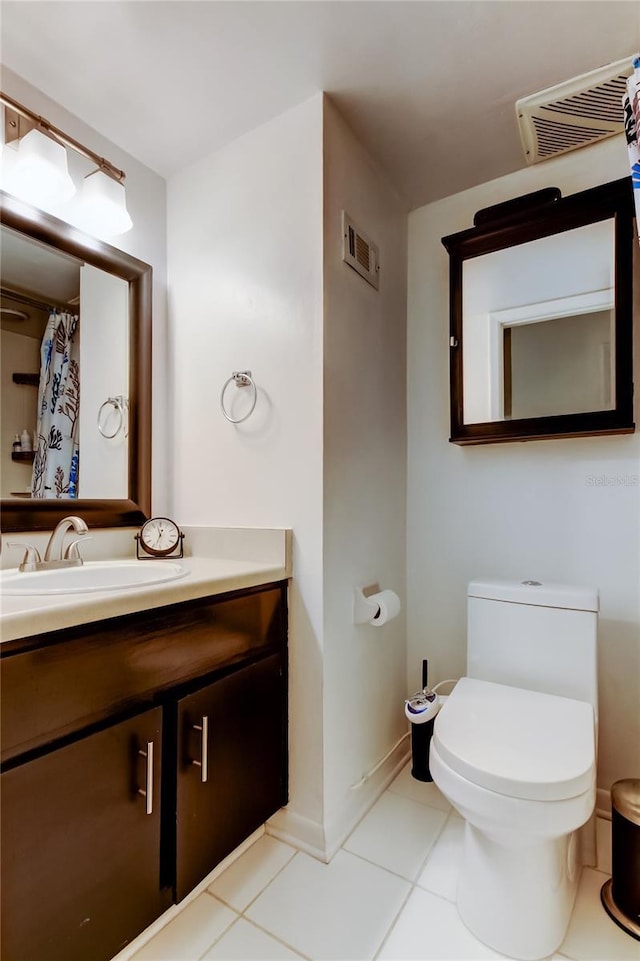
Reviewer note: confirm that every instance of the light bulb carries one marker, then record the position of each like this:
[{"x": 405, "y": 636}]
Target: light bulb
[
  {"x": 102, "y": 208},
  {"x": 39, "y": 173}
]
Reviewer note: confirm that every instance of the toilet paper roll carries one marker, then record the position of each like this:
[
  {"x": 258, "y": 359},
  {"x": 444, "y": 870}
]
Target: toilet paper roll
[{"x": 388, "y": 604}]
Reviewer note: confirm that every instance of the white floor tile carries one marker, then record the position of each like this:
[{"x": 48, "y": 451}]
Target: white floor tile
[
  {"x": 440, "y": 874},
  {"x": 397, "y": 833},
  {"x": 592, "y": 935},
  {"x": 249, "y": 875},
  {"x": 346, "y": 909},
  {"x": 603, "y": 844},
  {"x": 187, "y": 936},
  {"x": 244, "y": 942},
  {"x": 424, "y": 791},
  {"x": 429, "y": 929},
  {"x": 340, "y": 910}
]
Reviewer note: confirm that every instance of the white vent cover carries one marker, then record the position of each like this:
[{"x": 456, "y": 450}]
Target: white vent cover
[
  {"x": 574, "y": 113},
  {"x": 359, "y": 252}
]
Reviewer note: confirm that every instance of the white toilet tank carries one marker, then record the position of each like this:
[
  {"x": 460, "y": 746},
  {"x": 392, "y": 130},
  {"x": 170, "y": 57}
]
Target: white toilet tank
[{"x": 541, "y": 637}]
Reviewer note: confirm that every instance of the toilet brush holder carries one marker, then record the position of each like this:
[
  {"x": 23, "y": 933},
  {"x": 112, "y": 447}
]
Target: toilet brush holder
[{"x": 421, "y": 710}]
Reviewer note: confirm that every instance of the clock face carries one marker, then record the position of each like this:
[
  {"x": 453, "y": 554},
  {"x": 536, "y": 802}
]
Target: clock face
[{"x": 160, "y": 536}]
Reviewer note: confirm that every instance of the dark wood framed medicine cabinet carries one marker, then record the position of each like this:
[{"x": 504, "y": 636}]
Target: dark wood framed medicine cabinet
[
  {"x": 49, "y": 236},
  {"x": 541, "y": 318}
]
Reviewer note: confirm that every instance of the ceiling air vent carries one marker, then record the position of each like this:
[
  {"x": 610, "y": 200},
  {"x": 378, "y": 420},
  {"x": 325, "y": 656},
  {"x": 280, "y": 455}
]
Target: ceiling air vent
[
  {"x": 574, "y": 113},
  {"x": 359, "y": 252}
]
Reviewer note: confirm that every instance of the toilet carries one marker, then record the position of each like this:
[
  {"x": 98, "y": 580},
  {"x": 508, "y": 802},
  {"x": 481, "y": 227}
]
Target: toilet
[{"x": 514, "y": 752}]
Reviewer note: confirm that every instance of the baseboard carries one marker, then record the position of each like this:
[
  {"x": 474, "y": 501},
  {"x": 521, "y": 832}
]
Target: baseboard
[
  {"x": 299, "y": 831},
  {"x": 363, "y": 798},
  {"x": 324, "y": 842}
]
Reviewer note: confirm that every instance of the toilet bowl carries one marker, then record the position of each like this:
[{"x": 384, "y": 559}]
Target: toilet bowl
[
  {"x": 514, "y": 750},
  {"x": 519, "y": 766}
]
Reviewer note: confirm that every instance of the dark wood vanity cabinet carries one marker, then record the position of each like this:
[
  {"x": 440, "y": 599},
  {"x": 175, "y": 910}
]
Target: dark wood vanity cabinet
[
  {"x": 80, "y": 853},
  {"x": 118, "y": 798},
  {"x": 229, "y": 776}
]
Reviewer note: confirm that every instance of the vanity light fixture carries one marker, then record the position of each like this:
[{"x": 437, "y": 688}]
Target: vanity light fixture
[
  {"x": 103, "y": 208},
  {"x": 37, "y": 172}
]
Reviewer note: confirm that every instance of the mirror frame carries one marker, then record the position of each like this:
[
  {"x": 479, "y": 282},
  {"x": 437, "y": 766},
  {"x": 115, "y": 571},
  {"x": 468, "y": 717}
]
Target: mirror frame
[
  {"x": 40, "y": 514},
  {"x": 517, "y": 222}
]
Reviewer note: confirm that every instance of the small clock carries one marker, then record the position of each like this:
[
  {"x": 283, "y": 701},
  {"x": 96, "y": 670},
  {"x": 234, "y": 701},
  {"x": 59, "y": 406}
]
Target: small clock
[{"x": 159, "y": 537}]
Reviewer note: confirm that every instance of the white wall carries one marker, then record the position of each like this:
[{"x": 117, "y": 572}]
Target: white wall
[
  {"x": 245, "y": 280},
  {"x": 565, "y": 510},
  {"x": 146, "y": 201},
  {"x": 364, "y": 478},
  {"x": 324, "y": 452},
  {"x": 104, "y": 372}
]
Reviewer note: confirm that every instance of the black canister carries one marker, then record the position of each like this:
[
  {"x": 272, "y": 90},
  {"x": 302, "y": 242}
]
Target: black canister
[
  {"x": 421, "y": 735},
  {"x": 621, "y": 893}
]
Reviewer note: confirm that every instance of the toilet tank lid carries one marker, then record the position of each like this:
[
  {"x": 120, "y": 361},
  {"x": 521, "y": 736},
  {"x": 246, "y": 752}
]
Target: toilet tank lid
[{"x": 538, "y": 594}]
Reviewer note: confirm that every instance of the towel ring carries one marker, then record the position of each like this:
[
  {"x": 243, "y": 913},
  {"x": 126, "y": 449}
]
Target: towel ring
[
  {"x": 121, "y": 404},
  {"x": 242, "y": 378}
]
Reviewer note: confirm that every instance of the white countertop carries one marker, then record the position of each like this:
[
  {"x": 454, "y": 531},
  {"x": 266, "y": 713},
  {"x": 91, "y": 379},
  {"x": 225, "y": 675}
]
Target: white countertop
[{"x": 268, "y": 559}]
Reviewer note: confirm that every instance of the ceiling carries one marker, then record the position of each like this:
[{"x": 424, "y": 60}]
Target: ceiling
[
  {"x": 429, "y": 87},
  {"x": 37, "y": 269}
]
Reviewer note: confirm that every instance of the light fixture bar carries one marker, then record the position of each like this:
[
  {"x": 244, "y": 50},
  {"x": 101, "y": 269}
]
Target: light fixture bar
[{"x": 40, "y": 123}]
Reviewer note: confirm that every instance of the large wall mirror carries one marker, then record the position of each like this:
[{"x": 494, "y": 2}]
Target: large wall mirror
[
  {"x": 76, "y": 370},
  {"x": 541, "y": 318}
]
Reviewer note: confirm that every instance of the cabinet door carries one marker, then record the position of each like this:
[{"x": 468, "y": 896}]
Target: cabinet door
[
  {"x": 80, "y": 853},
  {"x": 231, "y": 766}
]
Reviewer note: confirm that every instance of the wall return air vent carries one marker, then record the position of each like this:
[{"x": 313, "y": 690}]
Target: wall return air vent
[
  {"x": 575, "y": 113},
  {"x": 359, "y": 252}
]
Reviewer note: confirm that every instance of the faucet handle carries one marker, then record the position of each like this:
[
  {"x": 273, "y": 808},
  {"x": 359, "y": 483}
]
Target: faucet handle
[
  {"x": 72, "y": 552},
  {"x": 31, "y": 555}
]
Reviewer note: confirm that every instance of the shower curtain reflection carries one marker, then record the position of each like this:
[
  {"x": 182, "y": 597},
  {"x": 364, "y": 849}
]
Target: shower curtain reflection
[{"x": 56, "y": 460}]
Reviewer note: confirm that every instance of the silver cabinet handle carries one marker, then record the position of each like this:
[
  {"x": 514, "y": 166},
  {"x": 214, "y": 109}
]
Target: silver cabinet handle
[
  {"x": 203, "y": 763},
  {"x": 147, "y": 792}
]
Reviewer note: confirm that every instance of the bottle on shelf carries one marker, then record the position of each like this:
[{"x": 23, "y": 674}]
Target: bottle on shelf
[
  {"x": 25, "y": 440},
  {"x": 17, "y": 444}
]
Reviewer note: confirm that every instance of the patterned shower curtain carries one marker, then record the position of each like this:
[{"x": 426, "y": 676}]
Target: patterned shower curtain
[
  {"x": 56, "y": 460},
  {"x": 631, "y": 105}
]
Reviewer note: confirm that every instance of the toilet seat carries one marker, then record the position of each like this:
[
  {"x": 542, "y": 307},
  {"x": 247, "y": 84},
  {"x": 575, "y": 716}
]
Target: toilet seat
[{"x": 516, "y": 742}]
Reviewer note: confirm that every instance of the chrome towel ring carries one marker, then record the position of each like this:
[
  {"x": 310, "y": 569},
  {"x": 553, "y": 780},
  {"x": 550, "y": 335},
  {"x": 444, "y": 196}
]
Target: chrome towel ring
[
  {"x": 121, "y": 405},
  {"x": 241, "y": 378}
]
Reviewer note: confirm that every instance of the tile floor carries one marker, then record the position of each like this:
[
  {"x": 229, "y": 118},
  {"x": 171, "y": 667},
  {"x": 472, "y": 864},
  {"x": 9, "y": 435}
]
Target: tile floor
[{"x": 388, "y": 894}]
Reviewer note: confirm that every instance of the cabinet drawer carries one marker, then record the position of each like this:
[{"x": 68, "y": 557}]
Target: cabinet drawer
[{"x": 81, "y": 676}]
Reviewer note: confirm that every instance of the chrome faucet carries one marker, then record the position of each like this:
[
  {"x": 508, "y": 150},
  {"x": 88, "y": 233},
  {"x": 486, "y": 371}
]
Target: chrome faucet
[
  {"x": 53, "y": 557},
  {"x": 53, "y": 553}
]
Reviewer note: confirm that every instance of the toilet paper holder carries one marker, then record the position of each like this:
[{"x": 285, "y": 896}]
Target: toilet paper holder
[
  {"x": 363, "y": 608},
  {"x": 371, "y": 607}
]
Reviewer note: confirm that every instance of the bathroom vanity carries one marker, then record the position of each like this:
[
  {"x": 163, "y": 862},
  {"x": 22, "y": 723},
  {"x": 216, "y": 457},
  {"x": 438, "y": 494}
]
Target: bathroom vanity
[
  {"x": 144, "y": 730},
  {"x": 138, "y": 751}
]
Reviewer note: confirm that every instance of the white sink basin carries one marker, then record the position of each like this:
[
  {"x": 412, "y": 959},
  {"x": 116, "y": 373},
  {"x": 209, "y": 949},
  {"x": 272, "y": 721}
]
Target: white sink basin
[{"x": 91, "y": 576}]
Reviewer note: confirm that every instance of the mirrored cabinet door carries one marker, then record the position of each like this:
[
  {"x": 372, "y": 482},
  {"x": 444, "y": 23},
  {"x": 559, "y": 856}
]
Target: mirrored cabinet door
[{"x": 541, "y": 318}]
